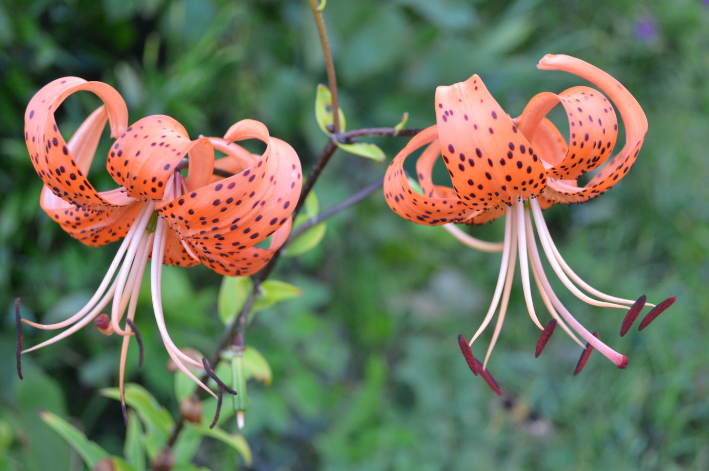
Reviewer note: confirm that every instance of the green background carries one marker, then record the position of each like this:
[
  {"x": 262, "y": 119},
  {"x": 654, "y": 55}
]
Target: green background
[{"x": 367, "y": 373}]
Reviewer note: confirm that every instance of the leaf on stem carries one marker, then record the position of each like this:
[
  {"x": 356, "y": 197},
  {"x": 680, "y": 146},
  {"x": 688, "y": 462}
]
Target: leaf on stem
[
  {"x": 323, "y": 110},
  {"x": 401, "y": 125}
]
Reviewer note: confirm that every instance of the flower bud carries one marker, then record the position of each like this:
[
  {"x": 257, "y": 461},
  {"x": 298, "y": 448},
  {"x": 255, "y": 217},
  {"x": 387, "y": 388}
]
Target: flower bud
[
  {"x": 191, "y": 409},
  {"x": 165, "y": 460}
]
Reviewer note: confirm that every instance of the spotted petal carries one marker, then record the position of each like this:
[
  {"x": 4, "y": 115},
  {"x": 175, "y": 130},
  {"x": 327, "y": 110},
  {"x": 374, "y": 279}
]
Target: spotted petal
[
  {"x": 144, "y": 157},
  {"x": 635, "y": 128},
  {"x": 53, "y": 159},
  {"x": 422, "y": 209},
  {"x": 489, "y": 161},
  {"x": 593, "y": 129},
  {"x": 238, "y": 212}
]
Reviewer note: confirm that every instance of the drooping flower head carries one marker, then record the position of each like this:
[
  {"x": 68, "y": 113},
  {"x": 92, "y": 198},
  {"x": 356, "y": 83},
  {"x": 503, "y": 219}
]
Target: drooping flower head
[
  {"x": 518, "y": 167},
  {"x": 159, "y": 213}
]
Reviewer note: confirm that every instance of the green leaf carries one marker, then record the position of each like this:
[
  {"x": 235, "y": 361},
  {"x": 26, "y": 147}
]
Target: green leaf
[
  {"x": 364, "y": 149},
  {"x": 274, "y": 291},
  {"x": 233, "y": 294},
  {"x": 90, "y": 452},
  {"x": 256, "y": 366},
  {"x": 323, "y": 110},
  {"x": 188, "y": 442},
  {"x": 235, "y": 441},
  {"x": 133, "y": 448},
  {"x": 307, "y": 240},
  {"x": 401, "y": 125},
  {"x": 321, "y": 7},
  {"x": 311, "y": 207},
  {"x": 157, "y": 420},
  {"x": 121, "y": 465},
  {"x": 184, "y": 386}
]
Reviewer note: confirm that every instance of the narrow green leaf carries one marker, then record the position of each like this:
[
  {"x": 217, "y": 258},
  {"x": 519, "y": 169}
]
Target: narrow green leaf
[
  {"x": 364, "y": 149},
  {"x": 306, "y": 241},
  {"x": 235, "y": 441},
  {"x": 89, "y": 451},
  {"x": 256, "y": 366},
  {"x": 156, "y": 418},
  {"x": 133, "y": 448},
  {"x": 401, "y": 125},
  {"x": 274, "y": 291},
  {"x": 323, "y": 110},
  {"x": 233, "y": 294}
]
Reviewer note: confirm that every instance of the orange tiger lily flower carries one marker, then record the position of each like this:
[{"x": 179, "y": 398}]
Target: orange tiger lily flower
[
  {"x": 518, "y": 167},
  {"x": 159, "y": 213}
]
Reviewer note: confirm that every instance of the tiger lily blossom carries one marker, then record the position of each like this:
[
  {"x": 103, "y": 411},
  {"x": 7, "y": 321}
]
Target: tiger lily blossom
[
  {"x": 516, "y": 168},
  {"x": 159, "y": 213}
]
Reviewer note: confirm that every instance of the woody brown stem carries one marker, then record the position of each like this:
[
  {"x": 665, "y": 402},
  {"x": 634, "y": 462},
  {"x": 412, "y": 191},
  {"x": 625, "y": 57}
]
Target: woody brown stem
[{"x": 329, "y": 64}]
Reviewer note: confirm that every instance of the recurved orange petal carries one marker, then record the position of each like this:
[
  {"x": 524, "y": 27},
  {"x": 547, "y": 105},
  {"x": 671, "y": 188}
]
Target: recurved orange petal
[
  {"x": 489, "y": 160},
  {"x": 422, "y": 209},
  {"x": 144, "y": 157},
  {"x": 52, "y": 158},
  {"x": 92, "y": 227},
  {"x": 240, "y": 211},
  {"x": 248, "y": 261},
  {"x": 593, "y": 129},
  {"x": 236, "y": 160},
  {"x": 635, "y": 127}
]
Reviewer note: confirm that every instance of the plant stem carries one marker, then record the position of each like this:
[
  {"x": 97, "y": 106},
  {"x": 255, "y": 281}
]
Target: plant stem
[
  {"x": 351, "y": 201},
  {"x": 329, "y": 65}
]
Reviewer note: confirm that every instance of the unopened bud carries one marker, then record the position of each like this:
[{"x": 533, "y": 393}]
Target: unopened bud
[
  {"x": 103, "y": 324},
  {"x": 191, "y": 409},
  {"x": 165, "y": 460}
]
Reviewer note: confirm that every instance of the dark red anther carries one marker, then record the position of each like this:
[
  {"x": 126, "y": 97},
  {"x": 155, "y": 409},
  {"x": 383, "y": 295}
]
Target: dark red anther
[
  {"x": 544, "y": 338},
  {"x": 123, "y": 407},
  {"x": 468, "y": 354},
  {"x": 18, "y": 326},
  {"x": 632, "y": 315},
  {"x": 213, "y": 375},
  {"x": 137, "y": 339},
  {"x": 656, "y": 311},
  {"x": 219, "y": 406},
  {"x": 102, "y": 322},
  {"x": 488, "y": 378},
  {"x": 584, "y": 356}
]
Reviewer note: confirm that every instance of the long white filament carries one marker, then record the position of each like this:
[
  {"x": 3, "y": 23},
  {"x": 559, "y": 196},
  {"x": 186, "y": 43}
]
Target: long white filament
[
  {"x": 472, "y": 242},
  {"x": 577, "y": 278},
  {"x": 544, "y": 238},
  {"x": 524, "y": 263},
  {"x": 501, "y": 276},
  {"x": 505, "y": 295},
  {"x": 104, "y": 283},
  {"x": 604, "y": 349},
  {"x": 118, "y": 306},
  {"x": 155, "y": 268},
  {"x": 538, "y": 272}
]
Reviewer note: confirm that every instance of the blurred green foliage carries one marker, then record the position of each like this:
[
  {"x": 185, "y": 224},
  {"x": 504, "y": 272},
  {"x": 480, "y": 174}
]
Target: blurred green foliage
[{"x": 366, "y": 372}]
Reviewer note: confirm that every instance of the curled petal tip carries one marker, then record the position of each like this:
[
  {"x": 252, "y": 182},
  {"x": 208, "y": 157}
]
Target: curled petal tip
[
  {"x": 468, "y": 354},
  {"x": 632, "y": 314},
  {"x": 656, "y": 311}
]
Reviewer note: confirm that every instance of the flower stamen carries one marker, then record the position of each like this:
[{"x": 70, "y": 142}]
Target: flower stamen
[
  {"x": 468, "y": 354},
  {"x": 632, "y": 315},
  {"x": 139, "y": 340},
  {"x": 544, "y": 338},
  {"x": 659, "y": 309}
]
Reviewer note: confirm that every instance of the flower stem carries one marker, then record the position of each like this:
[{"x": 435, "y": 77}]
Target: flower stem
[{"x": 329, "y": 65}]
